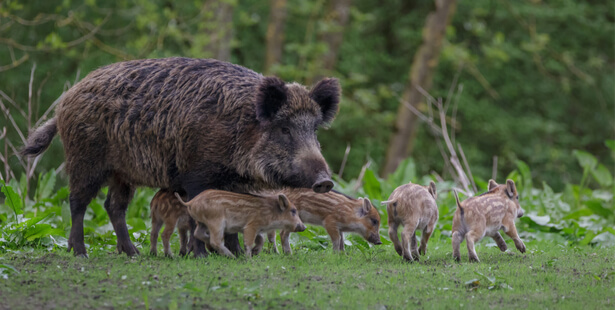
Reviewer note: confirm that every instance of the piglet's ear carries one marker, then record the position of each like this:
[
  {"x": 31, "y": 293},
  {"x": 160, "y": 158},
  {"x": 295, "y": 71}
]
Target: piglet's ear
[
  {"x": 327, "y": 94},
  {"x": 283, "y": 202},
  {"x": 270, "y": 97},
  {"x": 367, "y": 206},
  {"x": 492, "y": 185},
  {"x": 432, "y": 189},
  {"x": 511, "y": 190}
]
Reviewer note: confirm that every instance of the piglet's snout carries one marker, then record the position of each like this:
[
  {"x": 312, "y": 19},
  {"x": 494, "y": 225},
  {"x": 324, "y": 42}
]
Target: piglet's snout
[
  {"x": 375, "y": 239},
  {"x": 299, "y": 228},
  {"x": 519, "y": 213}
]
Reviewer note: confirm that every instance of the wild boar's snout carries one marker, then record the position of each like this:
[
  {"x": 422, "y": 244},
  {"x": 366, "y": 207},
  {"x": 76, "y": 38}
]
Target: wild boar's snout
[
  {"x": 323, "y": 185},
  {"x": 317, "y": 171},
  {"x": 299, "y": 228},
  {"x": 519, "y": 213},
  {"x": 375, "y": 239}
]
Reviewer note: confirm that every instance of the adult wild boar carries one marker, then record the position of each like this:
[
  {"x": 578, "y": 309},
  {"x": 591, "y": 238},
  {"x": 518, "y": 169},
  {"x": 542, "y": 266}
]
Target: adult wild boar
[{"x": 185, "y": 125}]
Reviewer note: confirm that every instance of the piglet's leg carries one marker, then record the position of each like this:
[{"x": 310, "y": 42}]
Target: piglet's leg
[
  {"x": 183, "y": 240},
  {"x": 511, "y": 231},
  {"x": 393, "y": 227},
  {"x": 456, "y": 240},
  {"x": 342, "y": 241},
  {"x": 156, "y": 225},
  {"x": 258, "y": 245},
  {"x": 334, "y": 233},
  {"x": 271, "y": 238},
  {"x": 425, "y": 238},
  {"x": 285, "y": 239},
  {"x": 406, "y": 235},
  {"x": 249, "y": 238},
  {"x": 216, "y": 239},
  {"x": 169, "y": 227},
  {"x": 471, "y": 237},
  {"x": 499, "y": 241}
]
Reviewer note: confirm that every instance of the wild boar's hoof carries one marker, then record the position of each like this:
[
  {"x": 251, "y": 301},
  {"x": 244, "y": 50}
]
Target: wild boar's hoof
[
  {"x": 322, "y": 186},
  {"x": 129, "y": 249}
]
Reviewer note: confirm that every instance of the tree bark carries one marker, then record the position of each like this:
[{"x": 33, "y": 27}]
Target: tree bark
[
  {"x": 219, "y": 28},
  {"x": 337, "y": 20},
  {"x": 421, "y": 74},
  {"x": 275, "y": 34}
]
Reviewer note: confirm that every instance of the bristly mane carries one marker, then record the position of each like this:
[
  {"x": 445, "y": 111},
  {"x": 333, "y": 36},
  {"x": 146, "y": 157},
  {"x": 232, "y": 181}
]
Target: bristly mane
[{"x": 338, "y": 192}]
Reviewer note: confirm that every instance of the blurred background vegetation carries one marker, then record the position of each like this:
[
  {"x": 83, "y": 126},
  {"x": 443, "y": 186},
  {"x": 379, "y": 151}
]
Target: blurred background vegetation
[{"x": 535, "y": 78}]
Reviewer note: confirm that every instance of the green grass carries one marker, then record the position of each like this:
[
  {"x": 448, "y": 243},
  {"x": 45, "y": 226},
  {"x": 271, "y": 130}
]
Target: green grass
[{"x": 547, "y": 276}]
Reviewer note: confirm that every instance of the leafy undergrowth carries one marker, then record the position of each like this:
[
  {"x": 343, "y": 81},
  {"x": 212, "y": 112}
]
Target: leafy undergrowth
[{"x": 549, "y": 275}]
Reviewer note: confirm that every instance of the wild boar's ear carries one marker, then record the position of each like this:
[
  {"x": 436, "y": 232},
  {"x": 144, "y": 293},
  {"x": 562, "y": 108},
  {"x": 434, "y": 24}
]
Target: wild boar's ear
[
  {"x": 367, "y": 205},
  {"x": 432, "y": 189},
  {"x": 283, "y": 202},
  {"x": 327, "y": 94},
  {"x": 271, "y": 96},
  {"x": 492, "y": 185},
  {"x": 510, "y": 188}
]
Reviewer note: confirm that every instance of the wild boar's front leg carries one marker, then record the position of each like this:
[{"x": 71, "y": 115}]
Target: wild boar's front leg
[
  {"x": 334, "y": 233},
  {"x": 499, "y": 241},
  {"x": 272, "y": 242},
  {"x": 258, "y": 245},
  {"x": 285, "y": 240},
  {"x": 249, "y": 237},
  {"x": 511, "y": 231},
  {"x": 342, "y": 241}
]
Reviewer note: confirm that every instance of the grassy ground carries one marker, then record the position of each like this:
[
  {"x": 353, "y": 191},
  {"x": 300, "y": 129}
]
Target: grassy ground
[{"x": 548, "y": 276}]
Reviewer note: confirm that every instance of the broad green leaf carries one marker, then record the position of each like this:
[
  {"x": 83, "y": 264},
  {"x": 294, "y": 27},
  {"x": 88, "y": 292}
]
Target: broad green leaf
[
  {"x": 602, "y": 175},
  {"x": 610, "y": 144},
  {"x": 597, "y": 208},
  {"x": 585, "y": 159},
  {"x": 578, "y": 214},
  {"x": 525, "y": 174},
  {"x": 46, "y": 184},
  {"x": 405, "y": 172},
  {"x": 12, "y": 199},
  {"x": 371, "y": 185}
]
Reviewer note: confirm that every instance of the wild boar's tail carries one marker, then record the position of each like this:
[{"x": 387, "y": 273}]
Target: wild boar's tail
[
  {"x": 39, "y": 140},
  {"x": 458, "y": 203},
  {"x": 180, "y": 199}
]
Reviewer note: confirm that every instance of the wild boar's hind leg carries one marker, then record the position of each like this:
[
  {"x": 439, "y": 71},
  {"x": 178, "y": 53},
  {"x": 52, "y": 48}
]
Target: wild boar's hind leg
[
  {"x": 393, "y": 234},
  {"x": 456, "y": 240},
  {"x": 183, "y": 241},
  {"x": 425, "y": 238},
  {"x": 470, "y": 239},
  {"x": 169, "y": 227},
  {"x": 120, "y": 194},
  {"x": 156, "y": 225},
  {"x": 83, "y": 190}
]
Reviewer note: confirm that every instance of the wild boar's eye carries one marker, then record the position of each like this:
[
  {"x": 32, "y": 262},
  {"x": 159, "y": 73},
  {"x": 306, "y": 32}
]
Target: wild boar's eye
[
  {"x": 293, "y": 212},
  {"x": 286, "y": 130},
  {"x": 375, "y": 222}
]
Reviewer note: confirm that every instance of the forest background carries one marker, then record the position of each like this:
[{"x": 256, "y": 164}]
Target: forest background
[{"x": 534, "y": 79}]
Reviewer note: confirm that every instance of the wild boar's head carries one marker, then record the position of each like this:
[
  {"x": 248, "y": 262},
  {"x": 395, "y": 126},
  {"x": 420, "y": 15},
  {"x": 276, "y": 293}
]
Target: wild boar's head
[{"x": 287, "y": 152}]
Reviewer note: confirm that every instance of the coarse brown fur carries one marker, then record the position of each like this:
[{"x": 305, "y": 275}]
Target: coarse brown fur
[
  {"x": 337, "y": 213},
  {"x": 186, "y": 125},
  {"x": 485, "y": 215},
  {"x": 414, "y": 207},
  {"x": 166, "y": 209},
  {"x": 218, "y": 212}
]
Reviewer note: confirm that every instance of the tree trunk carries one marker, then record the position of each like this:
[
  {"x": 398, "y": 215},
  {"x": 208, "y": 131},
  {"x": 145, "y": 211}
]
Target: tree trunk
[
  {"x": 421, "y": 74},
  {"x": 337, "y": 19},
  {"x": 219, "y": 29},
  {"x": 275, "y": 34}
]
